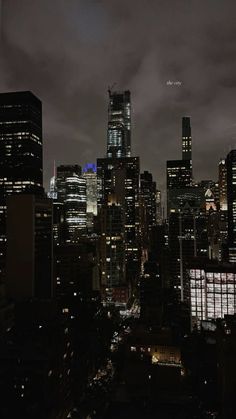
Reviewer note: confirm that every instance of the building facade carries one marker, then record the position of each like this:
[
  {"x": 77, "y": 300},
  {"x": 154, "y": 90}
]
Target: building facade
[
  {"x": 29, "y": 267},
  {"x": 71, "y": 191},
  {"x": 213, "y": 291},
  {"x": 119, "y": 125},
  {"x": 21, "y": 166},
  {"x": 231, "y": 199},
  {"x": 120, "y": 177}
]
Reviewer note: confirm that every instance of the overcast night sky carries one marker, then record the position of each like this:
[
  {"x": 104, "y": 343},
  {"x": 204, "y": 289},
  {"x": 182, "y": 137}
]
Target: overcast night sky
[{"x": 68, "y": 52}]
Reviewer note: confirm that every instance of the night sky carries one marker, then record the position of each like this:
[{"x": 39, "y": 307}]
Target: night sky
[{"x": 68, "y": 52}]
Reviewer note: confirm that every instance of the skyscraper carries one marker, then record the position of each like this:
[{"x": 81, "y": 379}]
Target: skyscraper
[
  {"x": 71, "y": 191},
  {"x": 112, "y": 248},
  {"x": 186, "y": 139},
  {"x": 223, "y": 206},
  {"x": 120, "y": 176},
  {"x": 148, "y": 193},
  {"x": 20, "y": 151},
  {"x": 179, "y": 173},
  {"x": 119, "y": 125},
  {"x": 90, "y": 176},
  {"x": 231, "y": 198},
  {"x": 223, "y": 185}
]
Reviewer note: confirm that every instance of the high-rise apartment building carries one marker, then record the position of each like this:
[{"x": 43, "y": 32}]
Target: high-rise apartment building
[
  {"x": 20, "y": 151},
  {"x": 119, "y": 125}
]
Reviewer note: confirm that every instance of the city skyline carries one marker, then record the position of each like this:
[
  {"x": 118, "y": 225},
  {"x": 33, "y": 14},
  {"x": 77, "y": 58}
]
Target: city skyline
[
  {"x": 117, "y": 209},
  {"x": 182, "y": 68}
]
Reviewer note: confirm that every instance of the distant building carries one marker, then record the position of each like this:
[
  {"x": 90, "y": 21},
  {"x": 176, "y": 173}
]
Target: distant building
[
  {"x": 119, "y": 125},
  {"x": 186, "y": 139},
  {"x": 192, "y": 198},
  {"x": 29, "y": 269},
  {"x": 179, "y": 172},
  {"x": 71, "y": 191},
  {"x": 90, "y": 176},
  {"x": 231, "y": 198},
  {"x": 159, "y": 215},
  {"x": 223, "y": 185}
]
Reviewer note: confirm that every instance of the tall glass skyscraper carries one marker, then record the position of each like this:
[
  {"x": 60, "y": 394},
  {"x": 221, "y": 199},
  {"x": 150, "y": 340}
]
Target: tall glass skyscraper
[
  {"x": 90, "y": 176},
  {"x": 20, "y": 151},
  {"x": 71, "y": 192},
  {"x": 119, "y": 125}
]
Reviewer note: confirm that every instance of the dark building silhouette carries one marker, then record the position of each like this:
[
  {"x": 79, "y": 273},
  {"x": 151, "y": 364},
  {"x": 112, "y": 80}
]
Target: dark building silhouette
[
  {"x": 76, "y": 271},
  {"x": 178, "y": 174},
  {"x": 112, "y": 250},
  {"x": 36, "y": 363},
  {"x": 119, "y": 125},
  {"x": 20, "y": 151},
  {"x": 148, "y": 192},
  {"x": 29, "y": 267},
  {"x": 120, "y": 177}
]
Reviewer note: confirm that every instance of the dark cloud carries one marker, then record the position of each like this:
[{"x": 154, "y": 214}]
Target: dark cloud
[{"x": 69, "y": 51}]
